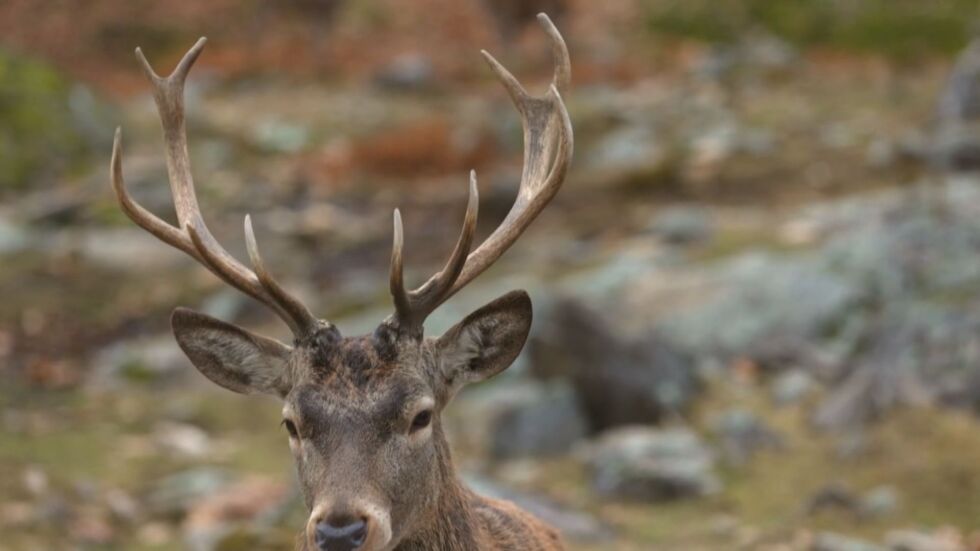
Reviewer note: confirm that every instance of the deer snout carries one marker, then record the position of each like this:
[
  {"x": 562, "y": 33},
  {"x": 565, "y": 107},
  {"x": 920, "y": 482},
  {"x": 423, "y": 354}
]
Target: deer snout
[
  {"x": 354, "y": 529},
  {"x": 340, "y": 534}
]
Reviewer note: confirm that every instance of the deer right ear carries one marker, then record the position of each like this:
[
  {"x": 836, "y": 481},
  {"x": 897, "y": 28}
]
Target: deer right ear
[
  {"x": 231, "y": 356},
  {"x": 486, "y": 342}
]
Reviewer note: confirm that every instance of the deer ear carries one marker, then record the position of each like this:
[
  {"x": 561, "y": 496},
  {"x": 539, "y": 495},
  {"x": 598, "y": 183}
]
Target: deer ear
[
  {"x": 487, "y": 341},
  {"x": 231, "y": 356}
]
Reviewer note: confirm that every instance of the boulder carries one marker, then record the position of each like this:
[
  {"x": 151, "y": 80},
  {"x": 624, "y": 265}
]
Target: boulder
[
  {"x": 539, "y": 420},
  {"x": 618, "y": 380},
  {"x": 654, "y": 465},
  {"x": 790, "y": 299}
]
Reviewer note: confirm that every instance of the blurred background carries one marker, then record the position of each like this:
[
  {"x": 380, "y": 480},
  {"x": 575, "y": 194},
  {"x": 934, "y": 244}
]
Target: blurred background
[{"x": 757, "y": 296}]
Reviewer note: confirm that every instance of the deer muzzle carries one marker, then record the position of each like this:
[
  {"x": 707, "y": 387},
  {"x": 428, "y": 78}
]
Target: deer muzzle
[{"x": 355, "y": 527}]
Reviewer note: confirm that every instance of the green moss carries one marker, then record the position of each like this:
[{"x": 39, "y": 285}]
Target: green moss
[
  {"x": 901, "y": 29},
  {"x": 38, "y": 137}
]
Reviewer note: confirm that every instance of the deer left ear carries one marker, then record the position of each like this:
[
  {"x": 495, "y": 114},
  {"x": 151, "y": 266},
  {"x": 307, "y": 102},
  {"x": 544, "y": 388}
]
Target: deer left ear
[
  {"x": 230, "y": 356},
  {"x": 486, "y": 342}
]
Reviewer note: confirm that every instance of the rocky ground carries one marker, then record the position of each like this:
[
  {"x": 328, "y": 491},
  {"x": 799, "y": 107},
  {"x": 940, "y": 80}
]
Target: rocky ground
[{"x": 756, "y": 323}]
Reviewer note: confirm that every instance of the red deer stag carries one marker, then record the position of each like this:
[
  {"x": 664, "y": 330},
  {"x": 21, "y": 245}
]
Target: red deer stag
[{"x": 363, "y": 413}]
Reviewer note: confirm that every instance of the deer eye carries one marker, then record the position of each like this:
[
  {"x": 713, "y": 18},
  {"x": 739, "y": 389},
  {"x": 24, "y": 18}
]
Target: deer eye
[
  {"x": 421, "y": 420},
  {"x": 290, "y": 428}
]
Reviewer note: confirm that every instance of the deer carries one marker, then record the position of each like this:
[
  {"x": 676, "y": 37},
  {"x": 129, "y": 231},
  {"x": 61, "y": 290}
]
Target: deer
[{"x": 363, "y": 413}]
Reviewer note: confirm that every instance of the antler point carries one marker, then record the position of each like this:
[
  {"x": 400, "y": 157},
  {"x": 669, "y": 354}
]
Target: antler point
[{"x": 398, "y": 229}]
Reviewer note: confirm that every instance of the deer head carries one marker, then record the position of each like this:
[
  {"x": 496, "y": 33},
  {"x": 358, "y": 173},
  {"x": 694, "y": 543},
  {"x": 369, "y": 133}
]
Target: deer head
[{"x": 363, "y": 413}]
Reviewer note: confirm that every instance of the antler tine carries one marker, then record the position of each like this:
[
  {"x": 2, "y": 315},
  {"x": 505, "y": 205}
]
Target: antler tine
[
  {"x": 412, "y": 307},
  {"x": 548, "y": 145},
  {"x": 293, "y": 307},
  {"x": 192, "y": 235},
  {"x": 562, "y": 76},
  {"x": 142, "y": 217}
]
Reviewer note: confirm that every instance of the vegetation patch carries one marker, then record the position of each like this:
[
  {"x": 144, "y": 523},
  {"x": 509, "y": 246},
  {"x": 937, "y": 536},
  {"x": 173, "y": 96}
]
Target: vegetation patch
[
  {"x": 900, "y": 29},
  {"x": 39, "y": 138}
]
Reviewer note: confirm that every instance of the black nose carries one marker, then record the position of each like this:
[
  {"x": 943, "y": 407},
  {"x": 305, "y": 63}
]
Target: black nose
[{"x": 340, "y": 536}]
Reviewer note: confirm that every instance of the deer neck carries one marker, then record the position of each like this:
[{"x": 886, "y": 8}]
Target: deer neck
[{"x": 451, "y": 524}]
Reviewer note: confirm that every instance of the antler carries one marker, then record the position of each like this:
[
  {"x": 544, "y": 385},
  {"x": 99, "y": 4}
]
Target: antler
[
  {"x": 547, "y": 154},
  {"x": 191, "y": 234}
]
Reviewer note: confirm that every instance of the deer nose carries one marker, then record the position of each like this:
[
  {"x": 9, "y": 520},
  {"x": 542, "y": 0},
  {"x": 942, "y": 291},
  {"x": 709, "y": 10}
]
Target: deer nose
[{"x": 340, "y": 534}]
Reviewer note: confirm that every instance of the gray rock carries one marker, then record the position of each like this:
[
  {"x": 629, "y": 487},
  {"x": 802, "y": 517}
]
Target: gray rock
[
  {"x": 742, "y": 434},
  {"x": 540, "y": 420},
  {"x": 281, "y": 136},
  {"x": 960, "y": 100},
  {"x": 864, "y": 308},
  {"x": 851, "y": 444},
  {"x": 124, "y": 249},
  {"x": 879, "y": 502},
  {"x": 407, "y": 72},
  {"x": 649, "y": 464},
  {"x": 631, "y": 147},
  {"x": 226, "y": 304},
  {"x": 791, "y": 387},
  {"x": 13, "y": 238},
  {"x": 909, "y": 540},
  {"x": 183, "y": 439},
  {"x": 141, "y": 360},
  {"x": 768, "y": 52},
  {"x": 832, "y": 497},
  {"x": 575, "y": 525},
  {"x": 796, "y": 297},
  {"x": 881, "y": 153},
  {"x": 683, "y": 225},
  {"x": 876, "y": 503},
  {"x": 827, "y": 541},
  {"x": 956, "y": 146},
  {"x": 711, "y": 146},
  {"x": 175, "y": 494},
  {"x": 123, "y": 506}
]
